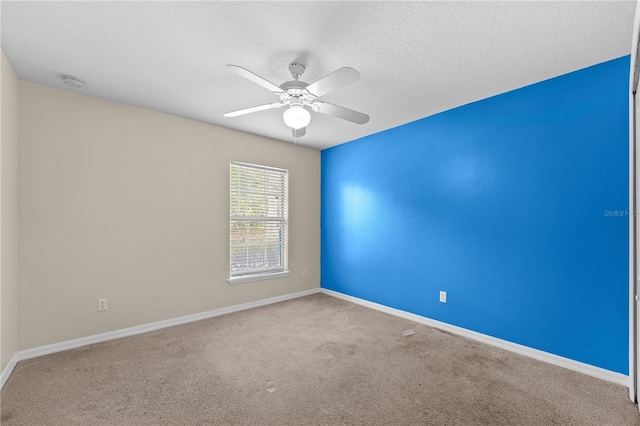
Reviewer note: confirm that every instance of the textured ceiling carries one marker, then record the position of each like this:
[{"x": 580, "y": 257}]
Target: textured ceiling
[{"x": 415, "y": 58}]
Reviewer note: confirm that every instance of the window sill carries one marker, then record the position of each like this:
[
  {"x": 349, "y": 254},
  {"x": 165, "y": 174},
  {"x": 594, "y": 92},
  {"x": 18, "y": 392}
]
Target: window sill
[{"x": 257, "y": 277}]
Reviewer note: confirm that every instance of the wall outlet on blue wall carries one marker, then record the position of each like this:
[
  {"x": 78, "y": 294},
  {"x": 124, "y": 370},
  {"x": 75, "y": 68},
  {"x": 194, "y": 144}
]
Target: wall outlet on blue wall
[{"x": 443, "y": 296}]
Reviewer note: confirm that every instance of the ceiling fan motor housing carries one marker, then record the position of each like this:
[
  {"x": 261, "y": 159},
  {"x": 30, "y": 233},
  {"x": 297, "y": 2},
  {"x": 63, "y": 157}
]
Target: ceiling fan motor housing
[
  {"x": 295, "y": 92},
  {"x": 296, "y": 100}
]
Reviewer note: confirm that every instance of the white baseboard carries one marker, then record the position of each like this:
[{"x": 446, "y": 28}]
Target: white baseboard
[
  {"x": 116, "y": 334},
  {"x": 8, "y": 370},
  {"x": 570, "y": 364}
]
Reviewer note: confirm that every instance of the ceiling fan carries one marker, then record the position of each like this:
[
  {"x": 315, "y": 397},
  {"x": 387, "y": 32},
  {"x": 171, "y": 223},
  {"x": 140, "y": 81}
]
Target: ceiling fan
[{"x": 297, "y": 95}]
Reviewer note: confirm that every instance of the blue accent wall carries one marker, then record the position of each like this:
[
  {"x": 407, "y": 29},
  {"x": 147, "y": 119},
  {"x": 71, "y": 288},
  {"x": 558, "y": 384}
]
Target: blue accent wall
[{"x": 515, "y": 205}]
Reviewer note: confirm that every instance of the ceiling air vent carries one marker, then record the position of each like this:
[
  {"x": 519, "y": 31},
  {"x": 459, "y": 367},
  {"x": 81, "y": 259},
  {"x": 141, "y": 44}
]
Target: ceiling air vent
[{"x": 72, "y": 81}]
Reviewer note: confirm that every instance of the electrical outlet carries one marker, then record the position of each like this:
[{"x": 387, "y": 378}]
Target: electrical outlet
[
  {"x": 305, "y": 273},
  {"x": 443, "y": 296},
  {"x": 102, "y": 305}
]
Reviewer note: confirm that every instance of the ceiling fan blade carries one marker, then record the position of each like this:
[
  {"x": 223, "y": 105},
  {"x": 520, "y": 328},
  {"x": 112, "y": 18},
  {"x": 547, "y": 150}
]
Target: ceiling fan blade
[
  {"x": 255, "y": 78},
  {"x": 333, "y": 81},
  {"x": 341, "y": 112},
  {"x": 299, "y": 132},
  {"x": 252, "y": 109}
]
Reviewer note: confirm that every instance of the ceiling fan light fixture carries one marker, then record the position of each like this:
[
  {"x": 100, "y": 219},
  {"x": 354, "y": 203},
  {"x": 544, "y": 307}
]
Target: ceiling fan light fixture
[{"x": 296, "y": 117}]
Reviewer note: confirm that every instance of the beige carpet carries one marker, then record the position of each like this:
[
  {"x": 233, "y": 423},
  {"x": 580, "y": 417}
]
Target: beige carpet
[{"x": 311, "y": 361}]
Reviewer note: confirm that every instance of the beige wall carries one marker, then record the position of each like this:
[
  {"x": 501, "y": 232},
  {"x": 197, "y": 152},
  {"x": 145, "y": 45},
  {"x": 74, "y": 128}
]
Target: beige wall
[
  {"x": 132, "y": 205},
  {"x": 8, "y": 213}
]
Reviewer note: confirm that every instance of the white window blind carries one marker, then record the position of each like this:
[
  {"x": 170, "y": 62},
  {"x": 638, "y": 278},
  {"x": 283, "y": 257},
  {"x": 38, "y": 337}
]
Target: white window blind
[{"x": 258, "y": 219}]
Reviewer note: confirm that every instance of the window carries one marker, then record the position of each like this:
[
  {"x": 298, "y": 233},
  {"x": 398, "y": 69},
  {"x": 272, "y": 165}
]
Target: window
[{"x": 258, "y": 222}]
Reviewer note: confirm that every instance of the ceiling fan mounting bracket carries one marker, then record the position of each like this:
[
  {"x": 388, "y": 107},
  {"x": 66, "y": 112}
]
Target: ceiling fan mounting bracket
[{"x": 296, "y": 70}]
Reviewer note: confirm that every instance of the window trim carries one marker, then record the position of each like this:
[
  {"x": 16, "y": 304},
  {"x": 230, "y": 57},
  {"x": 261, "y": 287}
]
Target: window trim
[
  {"x": 278, "y": 272},
  {"x": 257, "y": 277}
]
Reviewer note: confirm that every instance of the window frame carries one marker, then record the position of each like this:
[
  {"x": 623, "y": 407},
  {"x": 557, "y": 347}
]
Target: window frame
[{"x": 283, "y": 221}]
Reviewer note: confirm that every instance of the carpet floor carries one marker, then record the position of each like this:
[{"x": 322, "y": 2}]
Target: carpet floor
[{"x": 315, "y": 360}]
